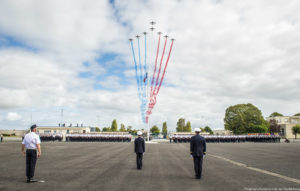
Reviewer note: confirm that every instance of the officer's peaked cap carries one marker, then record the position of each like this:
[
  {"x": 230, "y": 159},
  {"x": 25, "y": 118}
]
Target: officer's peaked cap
[{"x": 197, "y": 130}]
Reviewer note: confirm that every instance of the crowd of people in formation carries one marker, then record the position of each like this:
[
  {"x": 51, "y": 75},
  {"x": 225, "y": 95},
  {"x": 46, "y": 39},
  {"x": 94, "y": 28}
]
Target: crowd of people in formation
[
  {"x": 228, "y": 138},
  {"x": 98, "y": 138},
  {"x": 46, "y": 137}
]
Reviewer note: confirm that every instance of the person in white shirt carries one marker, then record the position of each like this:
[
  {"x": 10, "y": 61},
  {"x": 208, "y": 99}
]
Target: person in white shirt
[{"x": 32, "y": 143}]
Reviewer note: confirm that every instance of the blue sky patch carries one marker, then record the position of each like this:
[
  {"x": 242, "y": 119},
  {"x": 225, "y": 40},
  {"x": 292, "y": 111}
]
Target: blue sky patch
[
  {"x": 86, "y": 64},
  {"x": 85, "y": 74},
  {"x": 117, "y": 14},
  {"x": 9, "y": 41},
  {"x": 114, "y": 66}
]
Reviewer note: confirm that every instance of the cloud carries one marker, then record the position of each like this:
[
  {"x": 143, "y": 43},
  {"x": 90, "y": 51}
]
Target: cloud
[
  {"x": 12, "y": 116},
  {"x": 225, "y": 53}
]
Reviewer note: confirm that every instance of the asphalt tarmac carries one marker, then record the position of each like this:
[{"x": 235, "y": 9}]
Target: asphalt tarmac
[{"x": 111, "y": 166}]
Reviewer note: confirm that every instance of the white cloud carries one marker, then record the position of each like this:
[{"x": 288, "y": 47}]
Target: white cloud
[
  {"x": 225, "y": 53},
  {"x": 12, "y": 116}
]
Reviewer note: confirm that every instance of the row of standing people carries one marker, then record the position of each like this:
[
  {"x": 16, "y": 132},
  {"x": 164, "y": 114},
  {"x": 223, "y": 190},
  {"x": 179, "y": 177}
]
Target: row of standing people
[
  {"x": 97, "y": 138},
  {"x": 228, "y": 139},
  {"x": 31, "y": 143},
  {"x": 46, "y": 137}
]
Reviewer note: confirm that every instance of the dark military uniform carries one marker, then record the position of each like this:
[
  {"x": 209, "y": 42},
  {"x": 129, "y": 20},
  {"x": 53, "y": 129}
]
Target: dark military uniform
[
  {"x": 139, "y": 149},
  {"x": 198, "y": 149}
]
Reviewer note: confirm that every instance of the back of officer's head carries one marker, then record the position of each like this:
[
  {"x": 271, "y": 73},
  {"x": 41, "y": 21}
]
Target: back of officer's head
[
  {"x": 33, "y": 127},
  {"x": 139, "y": 133},
  {"x": 197, "y": 130}
]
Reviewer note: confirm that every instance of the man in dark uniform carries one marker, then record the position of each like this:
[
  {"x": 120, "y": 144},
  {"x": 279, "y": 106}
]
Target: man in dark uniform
[
  {"x": 139, "y": 149},
  {"x": 32, "y": 143},
  {"x": 198, "y": 149}
]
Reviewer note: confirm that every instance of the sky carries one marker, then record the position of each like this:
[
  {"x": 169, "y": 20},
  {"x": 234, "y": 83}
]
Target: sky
[{"x": 74, "y": 55}]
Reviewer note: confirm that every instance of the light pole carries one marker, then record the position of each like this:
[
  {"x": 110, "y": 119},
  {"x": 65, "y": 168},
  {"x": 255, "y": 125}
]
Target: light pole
[{"x": 98, "y": 124}]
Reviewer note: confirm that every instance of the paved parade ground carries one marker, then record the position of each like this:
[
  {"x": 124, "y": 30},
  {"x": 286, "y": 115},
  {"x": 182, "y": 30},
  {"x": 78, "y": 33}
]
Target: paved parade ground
[{"x": 111, "y": 166}]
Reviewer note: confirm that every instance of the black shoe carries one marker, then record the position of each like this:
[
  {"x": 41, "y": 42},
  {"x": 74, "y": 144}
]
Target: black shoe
[
  {"x": 28, "y": 180},
  {"x": 33, "y": 180}
]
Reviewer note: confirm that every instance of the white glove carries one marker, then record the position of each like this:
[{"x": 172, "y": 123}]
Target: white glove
[{"x": 191, "y": 156}]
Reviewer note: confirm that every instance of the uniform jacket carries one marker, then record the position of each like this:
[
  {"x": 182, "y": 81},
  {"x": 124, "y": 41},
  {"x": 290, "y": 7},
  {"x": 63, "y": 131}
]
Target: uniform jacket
[
  {"x": 139, "y": 145},
  {"x": 198, "y": 146}
]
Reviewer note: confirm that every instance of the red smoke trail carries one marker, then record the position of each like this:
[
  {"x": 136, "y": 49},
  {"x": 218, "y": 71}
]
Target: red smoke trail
[
  {"x": 162, "y": 77},
  {"x": 154, "y": 94},
  {"x": 162, "y": 57},
  {"x": 157, "y": 51}
]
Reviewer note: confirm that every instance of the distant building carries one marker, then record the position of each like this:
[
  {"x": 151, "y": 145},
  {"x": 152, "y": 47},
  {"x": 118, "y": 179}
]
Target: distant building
[
  {"x": 222, "y": 132},
  {"x": 286, "y": 124},
  {"x": 14, "y": 132},
  {"x": 62, "y": 130},
  {"x": 186, "y": 133}
]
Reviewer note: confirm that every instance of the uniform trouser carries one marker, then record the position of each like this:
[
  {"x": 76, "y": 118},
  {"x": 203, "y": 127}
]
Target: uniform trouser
[
  {"x": 31, "y": 157},
  {"x": 198, "y": 166},
  {"x": 139, "y": 160}
]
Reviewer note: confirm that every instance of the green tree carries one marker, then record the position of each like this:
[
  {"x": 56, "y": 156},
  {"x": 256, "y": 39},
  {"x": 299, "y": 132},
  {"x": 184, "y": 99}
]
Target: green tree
[
  {"x": 273, "y": 126},
  {"x": 105, "y": 129},
  {"x": 187, "y": 127},
  {"x": 122, "y": 128},
  {"x": 180, "y": 125},
  {"x": 244, "y": 118},
  {"x": 208, "y": 129},
  {"x": 259, "y": 129},
  {"x": 133, "y": 132},
  {"x": 296, "y": 130},
  {"x": 165, "y": 128},
  {"x": 154, "y": 130},
  {"x": 129, "y": 128},
  {"x": 297, "y": 114},
  {"x": 276, "y": 114},
  {"x": 114, "y": 125},
  {"x": 97, "y": 129}
]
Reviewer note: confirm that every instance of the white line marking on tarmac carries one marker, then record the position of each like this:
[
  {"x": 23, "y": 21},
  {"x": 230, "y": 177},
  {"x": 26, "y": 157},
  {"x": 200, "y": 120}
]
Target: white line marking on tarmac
[
  {"x": 151, "y": 142},
  {"x": 258, "y": 169}
]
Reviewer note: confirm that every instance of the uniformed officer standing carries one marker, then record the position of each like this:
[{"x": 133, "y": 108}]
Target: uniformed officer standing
[
  {"x": 1, "y": 138},
  {"x": 139, "y": 149},
  {"x": 33, "y": 150},
  {"x": 198, "y": 149}
]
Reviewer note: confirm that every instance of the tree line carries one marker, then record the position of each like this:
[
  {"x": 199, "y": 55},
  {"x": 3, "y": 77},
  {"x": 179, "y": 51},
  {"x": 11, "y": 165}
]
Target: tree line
[
  {"x": 247, "y": 118},
  {"x": 240, "y": 119},
  {"x": 114, "y": 128},
  {"x": 155, "y": 129},
  {"x": 187, "y": 127},
  {"x": 276, "y": 114}
]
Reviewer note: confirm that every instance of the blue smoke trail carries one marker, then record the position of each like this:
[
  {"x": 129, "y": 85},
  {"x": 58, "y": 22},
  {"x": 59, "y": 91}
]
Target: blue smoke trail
[
  {"x": 145, "y": 83},
  {"x": 142, "y": 85},
  {"x": 135, "y": 66},
  {"x": 140, "y": 65},
  {"x": 145, "y": 66},
  {"x": 141, "y": 78}
]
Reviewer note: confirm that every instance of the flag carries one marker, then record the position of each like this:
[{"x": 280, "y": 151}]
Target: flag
[{"x": 145, "y": 78}]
